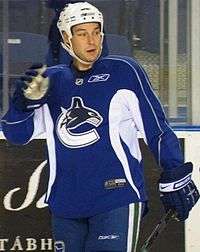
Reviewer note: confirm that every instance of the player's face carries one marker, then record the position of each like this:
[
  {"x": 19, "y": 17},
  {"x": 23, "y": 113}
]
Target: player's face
[{"x": 86, "y": 42}]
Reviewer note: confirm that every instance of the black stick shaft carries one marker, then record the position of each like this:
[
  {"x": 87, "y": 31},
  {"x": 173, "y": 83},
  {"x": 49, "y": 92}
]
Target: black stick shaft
[{"x": 157, "y": 230}]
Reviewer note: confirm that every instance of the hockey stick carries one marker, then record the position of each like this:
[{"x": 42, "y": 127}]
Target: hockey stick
[{"x": 157, "y": 230}]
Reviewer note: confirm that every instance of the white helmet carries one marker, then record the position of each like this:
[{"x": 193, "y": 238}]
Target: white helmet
[{"x": 74, "y": 14}]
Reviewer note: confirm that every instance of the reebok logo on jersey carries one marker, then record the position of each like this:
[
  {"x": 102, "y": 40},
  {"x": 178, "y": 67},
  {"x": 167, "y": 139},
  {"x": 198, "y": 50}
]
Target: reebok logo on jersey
[
  {"x": 99, "y": 77},
  {"x": 108, "y": 237}
]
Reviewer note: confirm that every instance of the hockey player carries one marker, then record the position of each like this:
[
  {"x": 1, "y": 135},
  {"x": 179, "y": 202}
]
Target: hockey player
[{"x": 91, "y": 111}]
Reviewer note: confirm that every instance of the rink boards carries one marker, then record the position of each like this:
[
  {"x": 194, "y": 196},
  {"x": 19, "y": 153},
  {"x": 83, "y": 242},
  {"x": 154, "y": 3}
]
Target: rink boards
[{"x": 25, "y": 220}]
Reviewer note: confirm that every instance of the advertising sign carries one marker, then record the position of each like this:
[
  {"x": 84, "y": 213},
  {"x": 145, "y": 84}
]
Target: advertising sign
[{"x": 24, "y": 218}]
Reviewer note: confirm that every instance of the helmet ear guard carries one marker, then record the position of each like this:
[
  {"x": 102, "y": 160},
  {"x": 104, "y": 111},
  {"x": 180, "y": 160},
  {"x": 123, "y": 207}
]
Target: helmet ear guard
[{"x": 74, "y": 14}]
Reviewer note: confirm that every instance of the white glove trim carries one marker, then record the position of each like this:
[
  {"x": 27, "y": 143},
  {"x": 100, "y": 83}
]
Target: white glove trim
[{"x": 176, "y": 185}]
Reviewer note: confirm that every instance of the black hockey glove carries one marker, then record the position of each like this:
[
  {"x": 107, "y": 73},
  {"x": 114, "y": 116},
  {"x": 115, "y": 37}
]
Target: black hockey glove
[
  {"x": 177, "y": 191},
  {"x": 32, "y": 89}
]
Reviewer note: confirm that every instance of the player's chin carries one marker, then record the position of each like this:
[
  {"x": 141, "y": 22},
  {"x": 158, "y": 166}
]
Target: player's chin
[
  {"x": 92, "y": 55},
  {"x": 92, "y": 58}
]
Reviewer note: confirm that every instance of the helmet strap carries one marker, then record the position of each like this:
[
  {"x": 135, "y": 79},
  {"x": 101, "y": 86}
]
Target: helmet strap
[{"x": 69, "y": 48}]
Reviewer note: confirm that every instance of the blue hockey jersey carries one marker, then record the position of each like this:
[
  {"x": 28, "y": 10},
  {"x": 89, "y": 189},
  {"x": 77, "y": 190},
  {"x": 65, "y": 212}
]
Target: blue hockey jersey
[{"x": 91, "y": 121}]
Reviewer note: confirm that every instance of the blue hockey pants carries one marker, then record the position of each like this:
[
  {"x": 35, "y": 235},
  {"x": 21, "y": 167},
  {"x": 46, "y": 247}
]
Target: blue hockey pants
[{"x": 113, "y": 231}]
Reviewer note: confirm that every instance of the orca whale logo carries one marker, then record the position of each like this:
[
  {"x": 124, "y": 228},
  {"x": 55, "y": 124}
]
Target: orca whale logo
[{"x": 72, "y": 118}]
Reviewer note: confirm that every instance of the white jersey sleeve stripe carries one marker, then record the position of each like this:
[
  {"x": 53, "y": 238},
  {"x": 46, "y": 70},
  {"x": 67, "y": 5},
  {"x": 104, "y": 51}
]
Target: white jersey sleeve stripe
[
  {"x": 115, "y": 116},
  {"x": 51, "y": 148},
  {"x": 147, "y": 99},
  {"x": 39, "y": 125}
]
